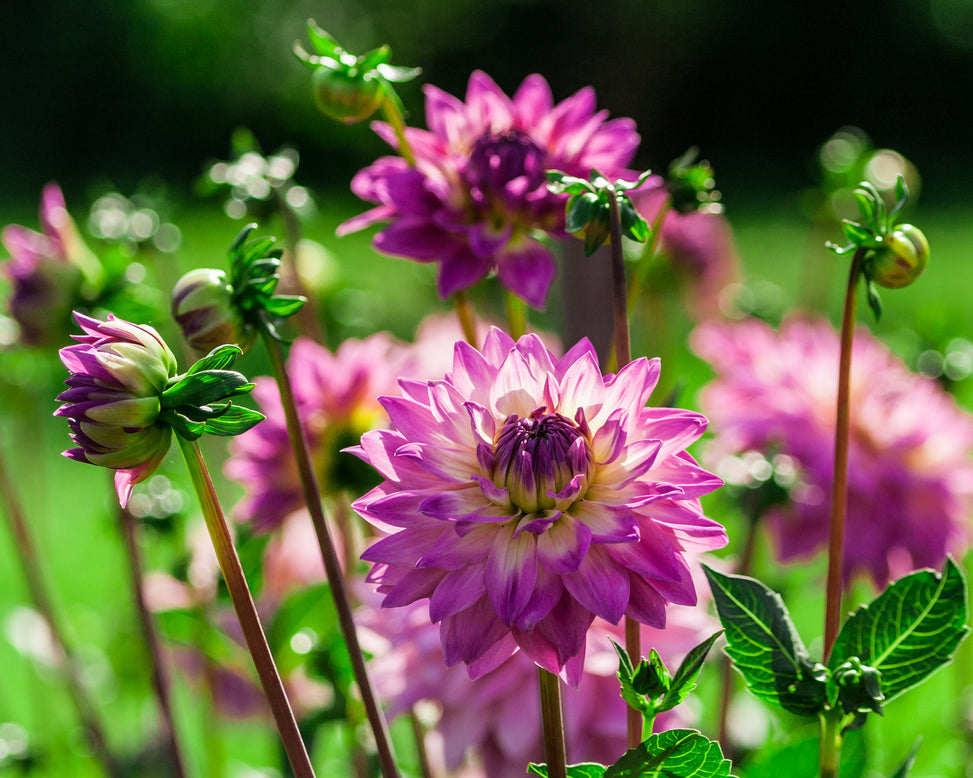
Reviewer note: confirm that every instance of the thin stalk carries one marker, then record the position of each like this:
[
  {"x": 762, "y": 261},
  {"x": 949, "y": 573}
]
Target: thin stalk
[
  {"x": 623, "y": 355},
  {"x": 554, "y": 751},
  {"x": 246, "y": 611},
  {"x": 516, "y": 316},
  {"x": 394, "y": 117},
  {"x": 160, "y": 680},
  {"x": 829, "y": 751},
  {"x": 839, "y": 493},
  {"x": 466, "y": 315},
  {"x": 419, "y": 733},
  {"x": 39, "y": 594},
  {"x": 312, "y": 496}
]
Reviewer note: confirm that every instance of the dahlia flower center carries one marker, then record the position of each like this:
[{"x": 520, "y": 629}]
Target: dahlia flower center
[
  {"x": 542, "y": 460},
  {"x": 505, "y": 165}
]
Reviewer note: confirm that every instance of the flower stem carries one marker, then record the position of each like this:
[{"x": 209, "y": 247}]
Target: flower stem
[
  {"x": 467, "y": 316},
  {"x": 839, "y": 493},
  {"x": 554, "y": 752},
  {"x": 394, "y": 117},
  {"x": 830, "y": 746},
  {"x": 516, "y": 316},
  {"x": 332, "y": 567},
  {"x": 246, "y": 612},
  {"x": 160, "y": 680},
  {"x": 39, "y": 594}
]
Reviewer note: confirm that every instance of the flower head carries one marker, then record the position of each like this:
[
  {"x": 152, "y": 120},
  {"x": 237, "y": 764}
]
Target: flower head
[
  {"x": 478, "y": 192},
  {"x": 46, "y": 270},
  {"x": 119, "y": 372},
  {"x": 525, "y": 495},
  {"x": 910, "y": 478}
]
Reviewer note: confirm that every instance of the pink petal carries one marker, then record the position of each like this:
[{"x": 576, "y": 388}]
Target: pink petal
[
  {"x": 511, "y": 571},
  {"x": 561, "y": 549},
  {"x": 458, "y": 590},
  {"x": 600, "y": 584}
]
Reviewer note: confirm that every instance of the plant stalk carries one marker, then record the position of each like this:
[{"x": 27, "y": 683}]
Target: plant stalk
[
  {"x": 830, "y": 745},
  {"x": 160, "y": 679},
  {"x": 554, "y": 749},
  {"x": 246, "y": 611},
  {"x": 39, "y": 594},
  {"x": 516, "y": 316},
  {"x": 394, "y": 117},
  {"x": 839, "y": 493},
  {"x": 332, "y": 567},
  {"x": 466, "y": 315}
]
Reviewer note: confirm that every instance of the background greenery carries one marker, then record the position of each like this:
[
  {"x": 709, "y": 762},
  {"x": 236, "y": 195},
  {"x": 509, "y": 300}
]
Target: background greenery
[{"x": 118, "y": 95}]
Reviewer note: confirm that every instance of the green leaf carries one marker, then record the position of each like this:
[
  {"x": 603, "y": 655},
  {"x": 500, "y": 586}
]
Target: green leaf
[
  {"x": 764, "y": 644},
  {"x": 323, "y": 43},
  {"x": 582, "y": 770},
  {"x": 856, "y": 233},
  {"x": 219, "y": 358},
  {"x": 579, "y": 211},
  {"x": 236, "y": 420},
  {"x": 678, "y": 753},
  {"x": 626, "y": 676},
  {"x": 866, "y": 206},
  {"x": 684, "y": 681},
  {"x": 633, "y": 225},
  {"x": 283, "y": 306},
  {"x": 183, "y": 426},
  {"x": 905, "y": 768},
  {"x": 909, "y": 631}
]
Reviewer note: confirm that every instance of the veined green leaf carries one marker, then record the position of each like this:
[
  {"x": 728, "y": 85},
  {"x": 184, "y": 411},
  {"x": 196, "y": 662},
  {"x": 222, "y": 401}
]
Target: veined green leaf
[
  {"x": 684, "y": 681},
  {"x": 764, "y": 645},
  {"x": 677, "y": 753},
  {"x": 582, "y": 770},
  {"x": 909, "y": 631}
]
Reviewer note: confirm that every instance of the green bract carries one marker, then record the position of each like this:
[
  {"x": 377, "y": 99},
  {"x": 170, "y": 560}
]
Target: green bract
[{"x": 346, "y": 87}]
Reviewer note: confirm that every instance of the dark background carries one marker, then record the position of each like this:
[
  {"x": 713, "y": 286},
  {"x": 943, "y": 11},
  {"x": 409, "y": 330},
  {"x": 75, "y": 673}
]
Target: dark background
[{"x": 125, "y": 90}]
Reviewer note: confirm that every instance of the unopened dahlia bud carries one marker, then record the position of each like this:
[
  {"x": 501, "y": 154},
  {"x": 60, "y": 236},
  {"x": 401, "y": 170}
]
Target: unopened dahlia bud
[
  {"x": 346, "y": 95},
  {"x": 204, "y": 308},
  {"x": 900, "y": 259},
  {"x": 119, "y": 371}
]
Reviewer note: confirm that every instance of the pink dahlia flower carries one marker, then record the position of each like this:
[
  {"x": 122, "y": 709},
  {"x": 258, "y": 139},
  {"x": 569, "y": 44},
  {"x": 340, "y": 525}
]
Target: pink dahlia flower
[
  {"x": 496, "y": 718},
  {"x": 526, "y": 495},
  {"x": 45, "y": 270},
  {"x": 478, "y": 190},
  {"x": 336, "y": 396},
  {"x": 910, "y": 475}
]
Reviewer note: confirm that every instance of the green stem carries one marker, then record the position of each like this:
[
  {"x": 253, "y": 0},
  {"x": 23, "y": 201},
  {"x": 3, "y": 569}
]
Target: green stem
[
  {"x": 236, "y": 584},
  {"x": 554, "y": 751},
  {"x": 39, "y": 594},
  {"x": 394, "y": 117},
  {"x": 160, "y": 680},
  {"x": 839, "y": 493},
  {"x": 332, "y": 567},
  {"x": 516, "y": 315},
  {"x": 830, "y": 746},
  {"x": 466, "y": 315},
  {"x": 419, "y": 733}
]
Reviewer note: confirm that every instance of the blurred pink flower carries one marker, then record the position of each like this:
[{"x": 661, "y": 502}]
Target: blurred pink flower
[
  {"x": 526, "y": 495},
  {"x": 496, "y": 718},
  {"x": 910, "y": 475},
  {"x": 45, "y": 270},
  {"x": 478, "y": 189}
]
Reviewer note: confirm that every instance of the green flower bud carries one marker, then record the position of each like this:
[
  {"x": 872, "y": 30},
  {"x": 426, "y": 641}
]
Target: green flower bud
[
  {"x": 900, "y": 259},
  {"x": 206, "y": 312},
  {"x": 348, "y": 96}
]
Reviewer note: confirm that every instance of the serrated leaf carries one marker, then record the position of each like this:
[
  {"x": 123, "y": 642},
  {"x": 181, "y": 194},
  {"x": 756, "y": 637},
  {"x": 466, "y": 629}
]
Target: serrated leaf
[
  {"x": 909, "y": 631},
  {"x": 581, "y": 770},
  {"x": 677, "y": 753},
  {"x": 764, "y": 644},
  {"x": 684, "y": 680},
  {"x": 234, "y": 421}
]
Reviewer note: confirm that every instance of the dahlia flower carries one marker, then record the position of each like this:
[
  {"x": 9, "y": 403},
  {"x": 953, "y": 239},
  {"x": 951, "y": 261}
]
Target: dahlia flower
[
  {"x": 526, "y": 495},
  {"x": 119, "y": 371},
  {"x": 910, "y": 479},
  {"x": 45, "y": 270},
  {"x": 478, "y": 195},
  {"x": 492, "y": 717},
  {"x": 336, "y": 396}
]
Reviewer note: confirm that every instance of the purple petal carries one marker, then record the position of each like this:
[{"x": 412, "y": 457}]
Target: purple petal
[
  {"x": 561, "y": 549},
  {"x": 645, "y": 604},
  {"x": 527, "y": 270},
  {"x": 468, "y": 635},
  {"x": 458, "y": 590},
  {"x": 600, "y": 584},
  {"x": 510, "y": 573}
]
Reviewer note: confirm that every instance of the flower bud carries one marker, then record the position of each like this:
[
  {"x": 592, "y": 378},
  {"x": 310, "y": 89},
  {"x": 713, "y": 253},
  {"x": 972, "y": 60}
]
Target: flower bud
[
  {"x": 900, "y": 259},
  {"x": 204, "y": 308},
  {"x": 346, "y": 95}
]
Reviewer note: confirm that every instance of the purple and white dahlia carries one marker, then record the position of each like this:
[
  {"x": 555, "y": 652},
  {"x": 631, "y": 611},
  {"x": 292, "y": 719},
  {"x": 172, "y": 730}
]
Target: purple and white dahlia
[
  {"x": 478, "y": 191},
  {"x": 525, "y": 495}
]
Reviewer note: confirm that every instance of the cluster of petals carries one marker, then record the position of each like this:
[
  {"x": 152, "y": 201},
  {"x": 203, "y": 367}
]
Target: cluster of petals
[
  {"x": 910, "y": 475},
  {"x": 44, "y": 270},
  {"x": 527, "y": 494},
  {"x": 478, "y": 191},
  {"x": 118, "y": 372}
]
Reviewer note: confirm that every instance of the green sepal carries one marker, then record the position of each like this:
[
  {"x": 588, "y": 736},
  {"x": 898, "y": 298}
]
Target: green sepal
[
  {"x": 323, "y": 43},
  {"x": 684, "y": 680},
  {"x": 182, "y": 425},
  {"x": 676, "y": 753},
  {"x": 283, "y": 306},
  {"x": 626, "y": 676},
  {"x": 582, "y": 770},
  {"x": 398, "y": 74},
  {"x": 651, "y": 676},
  {"x": 856, "y": 233},
  {"x": 903, "y": 770},
  {"x": 562, "y": 183},
  {"x": 764, "y": 645},
  {"x": 633, "y": 225},
  {"x": 598, "y": 228},
  {"x": 579, "y": 211},
  {"x": 235, "y": 420},
  {"x": 204, "y": 387},
  {"x": 909, "y": 631},
  {"x": 219, "y": 358},
  {"x": 874, "y": 300}
]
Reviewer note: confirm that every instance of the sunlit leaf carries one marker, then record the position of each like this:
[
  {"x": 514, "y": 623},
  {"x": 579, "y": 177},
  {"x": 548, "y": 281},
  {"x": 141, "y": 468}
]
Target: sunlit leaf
[{"x": 677, "y": 753}]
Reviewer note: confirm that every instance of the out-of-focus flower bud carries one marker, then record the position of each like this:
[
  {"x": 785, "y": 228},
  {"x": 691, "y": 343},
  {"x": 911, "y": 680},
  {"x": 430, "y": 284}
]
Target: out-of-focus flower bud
[
  {"x": 348, "y": 96},
  {"x": 900, "y": 259},
  {"x": 204, "y": 309}
]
